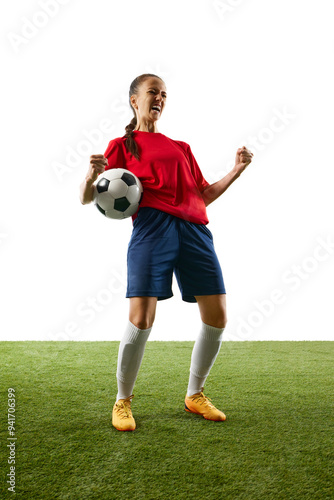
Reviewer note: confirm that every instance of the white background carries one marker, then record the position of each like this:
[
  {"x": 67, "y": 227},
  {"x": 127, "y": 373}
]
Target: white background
[{"x": 255, "y": 73}]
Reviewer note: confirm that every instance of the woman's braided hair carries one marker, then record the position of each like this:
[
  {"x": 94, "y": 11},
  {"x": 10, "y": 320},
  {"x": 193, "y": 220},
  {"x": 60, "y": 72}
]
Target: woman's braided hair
[{"x": 130, "y": 142}]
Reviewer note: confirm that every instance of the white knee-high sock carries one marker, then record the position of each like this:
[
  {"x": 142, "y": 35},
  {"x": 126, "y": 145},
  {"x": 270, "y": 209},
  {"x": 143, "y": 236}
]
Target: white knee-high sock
[
  {"x": 130, "y": 355},
  {"x": 204, "y": 354}
]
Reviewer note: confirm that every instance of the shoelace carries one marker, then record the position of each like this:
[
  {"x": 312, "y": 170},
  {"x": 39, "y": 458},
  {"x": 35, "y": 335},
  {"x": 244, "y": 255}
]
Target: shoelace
[
  {"x": 123, "y": 408},
  {"x": 205, "y": 399}
]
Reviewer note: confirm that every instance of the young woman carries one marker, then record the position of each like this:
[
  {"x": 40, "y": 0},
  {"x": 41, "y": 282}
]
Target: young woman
[{"x": 169, "y": 236}]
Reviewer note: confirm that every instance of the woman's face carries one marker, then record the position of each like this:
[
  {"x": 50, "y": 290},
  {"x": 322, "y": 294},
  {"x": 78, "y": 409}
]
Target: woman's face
[{"x": 150, "y": 100}]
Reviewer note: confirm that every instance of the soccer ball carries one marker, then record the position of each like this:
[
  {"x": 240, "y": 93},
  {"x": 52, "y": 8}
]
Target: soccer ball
[{"x": 118, "y": 193}]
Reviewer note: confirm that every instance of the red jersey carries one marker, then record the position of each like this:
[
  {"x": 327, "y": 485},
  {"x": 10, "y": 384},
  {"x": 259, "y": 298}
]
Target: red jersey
[{"x": 171, "y": 178}]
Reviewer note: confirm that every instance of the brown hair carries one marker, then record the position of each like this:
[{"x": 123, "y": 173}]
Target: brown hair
[{"x": 130, "y": 142}]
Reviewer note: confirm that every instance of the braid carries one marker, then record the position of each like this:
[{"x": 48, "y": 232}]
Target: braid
[{"x": 130, "y": 142}]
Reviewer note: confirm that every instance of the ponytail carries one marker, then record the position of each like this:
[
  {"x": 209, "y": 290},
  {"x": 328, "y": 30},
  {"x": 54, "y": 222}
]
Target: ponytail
[{"x": 130, "y": 142}]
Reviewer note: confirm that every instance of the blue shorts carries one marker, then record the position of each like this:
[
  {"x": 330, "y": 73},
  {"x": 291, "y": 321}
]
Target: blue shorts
[{"x": 161, "y": 244}]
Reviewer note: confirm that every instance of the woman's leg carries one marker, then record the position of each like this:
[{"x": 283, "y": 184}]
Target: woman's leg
[
  {"x": 142, "y": 311},
  {"x": 213, "y": 314},
  {"x": 132, "y": 346},
  {"x": 213, "y": 309}
]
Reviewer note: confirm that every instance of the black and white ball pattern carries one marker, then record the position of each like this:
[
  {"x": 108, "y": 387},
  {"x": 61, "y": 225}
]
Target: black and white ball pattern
[{"x": 118, "y": 193}]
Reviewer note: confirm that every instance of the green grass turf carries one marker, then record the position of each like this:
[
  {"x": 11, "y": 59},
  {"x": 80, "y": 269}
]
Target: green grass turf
[{"x": 275, "y": 444}]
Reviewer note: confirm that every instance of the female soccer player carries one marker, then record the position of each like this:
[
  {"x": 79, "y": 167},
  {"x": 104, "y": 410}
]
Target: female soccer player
[{"x": 169, "y": 236}]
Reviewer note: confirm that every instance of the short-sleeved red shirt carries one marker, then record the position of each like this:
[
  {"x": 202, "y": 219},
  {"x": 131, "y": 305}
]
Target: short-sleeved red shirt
[{"x": 171, "y": 178}]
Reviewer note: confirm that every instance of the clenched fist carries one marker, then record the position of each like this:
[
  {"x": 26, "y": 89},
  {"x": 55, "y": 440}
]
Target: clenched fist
[
  {"x": 242, "y": 159},
  {"x": 97, "y": 166}
]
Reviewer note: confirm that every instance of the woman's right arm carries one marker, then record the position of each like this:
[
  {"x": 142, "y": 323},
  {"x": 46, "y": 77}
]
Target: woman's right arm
[{"x": 96, "y": 167}]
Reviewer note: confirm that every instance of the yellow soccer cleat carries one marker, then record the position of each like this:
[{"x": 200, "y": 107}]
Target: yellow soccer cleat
[
  {"x": 200, "y": 404},
  {"x": 122, "y": 417}
]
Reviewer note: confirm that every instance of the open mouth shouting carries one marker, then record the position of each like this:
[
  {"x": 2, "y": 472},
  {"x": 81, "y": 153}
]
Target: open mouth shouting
[{"x": 156, "y": 108}]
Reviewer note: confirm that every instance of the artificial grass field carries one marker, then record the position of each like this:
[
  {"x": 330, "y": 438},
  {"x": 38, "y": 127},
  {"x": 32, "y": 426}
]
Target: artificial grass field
[{"x": 275, "y": 444}]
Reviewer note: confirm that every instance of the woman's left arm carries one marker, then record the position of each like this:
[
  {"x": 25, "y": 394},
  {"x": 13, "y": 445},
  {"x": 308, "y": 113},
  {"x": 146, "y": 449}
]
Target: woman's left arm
[{"x": 242, "y": 160}]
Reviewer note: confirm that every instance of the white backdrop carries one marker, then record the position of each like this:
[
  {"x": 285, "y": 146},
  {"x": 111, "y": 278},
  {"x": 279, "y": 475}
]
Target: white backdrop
[{"x": 257, "y": 73}]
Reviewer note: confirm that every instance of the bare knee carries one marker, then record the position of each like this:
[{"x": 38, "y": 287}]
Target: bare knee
[
  {"x": 222, "y": 321},
  {"x": 142, "y": 322},
  {"x": 142, "y": 312},
  {"x": 218, "y": 321},
  {"x": 213, "y": 310}
]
